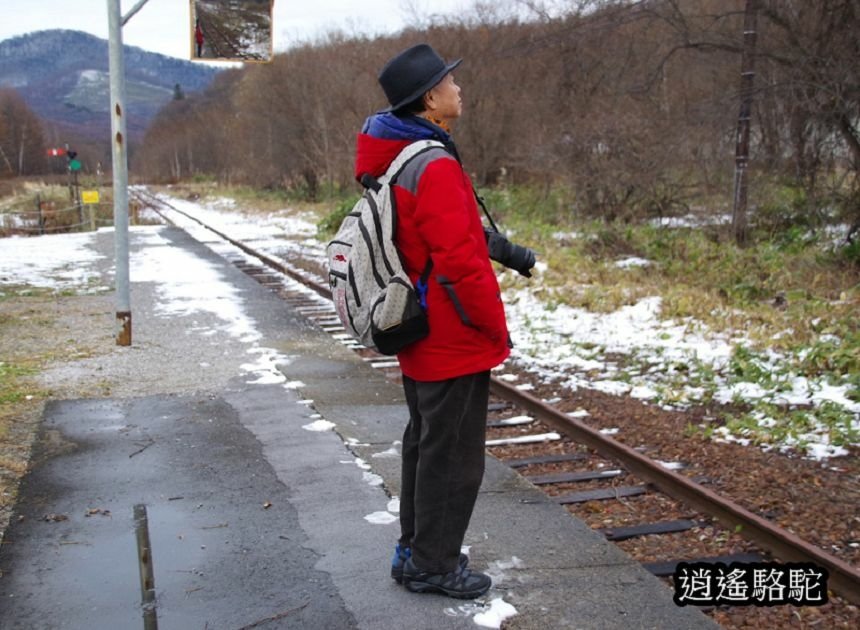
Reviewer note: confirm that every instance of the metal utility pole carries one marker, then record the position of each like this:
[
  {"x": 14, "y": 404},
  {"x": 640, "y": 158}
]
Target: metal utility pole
[
  {"x": 742, "y": 147},
  {"x": 120, "y": 166}
]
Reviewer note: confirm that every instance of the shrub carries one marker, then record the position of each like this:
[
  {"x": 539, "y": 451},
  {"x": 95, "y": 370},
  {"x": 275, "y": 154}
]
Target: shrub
[{"x": 328, "y": 226}]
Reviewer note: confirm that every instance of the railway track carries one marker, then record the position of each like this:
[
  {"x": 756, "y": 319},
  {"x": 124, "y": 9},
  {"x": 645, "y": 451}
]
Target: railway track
[
  {"x": 575, "y": 452},
  {"x": 222, "y": 43}
]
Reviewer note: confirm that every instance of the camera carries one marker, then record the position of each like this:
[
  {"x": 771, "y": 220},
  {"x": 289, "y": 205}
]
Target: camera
[{"x": 512, "y": 256}]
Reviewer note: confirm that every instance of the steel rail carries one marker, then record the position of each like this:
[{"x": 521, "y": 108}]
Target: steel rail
[
  {"x": 208, "y": 22},
  {"x": 843, "y": 578}
]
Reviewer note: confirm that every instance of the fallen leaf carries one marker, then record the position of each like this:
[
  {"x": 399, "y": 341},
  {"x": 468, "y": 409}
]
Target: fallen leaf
[
  {"x": 94, "y": 511},
  {"x": 55, "y": 518}
]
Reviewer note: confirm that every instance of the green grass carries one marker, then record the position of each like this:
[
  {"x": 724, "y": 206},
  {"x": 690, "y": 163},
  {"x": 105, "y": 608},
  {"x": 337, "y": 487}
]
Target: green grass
[
  {"x": 329, "y": 224},
  {"x": 766, "y": 288},
  {"x": 13, "y": 386},
  {"x": 785, "y": 290},
  {"x": 769, "y": 424},
  {"x": 789, "y": 290}
]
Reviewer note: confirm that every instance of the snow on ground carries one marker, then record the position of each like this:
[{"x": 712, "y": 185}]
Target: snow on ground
[
  {"x": 493, "y": 617},
  {"x": 691, "y": 221},
  {"x": 631, "y": 351},
  {"x": 275, "y": 234},
  {"x": 54, "y": 261},
  {"x": 661, "y": 361},
  {"x": 633, "y": 261},
  {"x": 188, "y": 284},
  {"x": 563, "y": 339}
]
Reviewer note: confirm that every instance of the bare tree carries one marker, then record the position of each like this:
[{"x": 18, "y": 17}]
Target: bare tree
[
  {"x": 22, "y": 147},
  {"x": 630, "y": 106},
  {"x": 742, "y": 149}
]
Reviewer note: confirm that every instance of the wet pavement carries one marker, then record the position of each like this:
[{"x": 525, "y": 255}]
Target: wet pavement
[{"x": 227, "y": 547}]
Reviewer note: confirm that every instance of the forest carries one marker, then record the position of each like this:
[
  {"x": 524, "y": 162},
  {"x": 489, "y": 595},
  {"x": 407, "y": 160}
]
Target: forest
[
  {"x": 22, "y": 143},
  {"x": 615, "y": 110},
  {"x": 610, "y": 109}
]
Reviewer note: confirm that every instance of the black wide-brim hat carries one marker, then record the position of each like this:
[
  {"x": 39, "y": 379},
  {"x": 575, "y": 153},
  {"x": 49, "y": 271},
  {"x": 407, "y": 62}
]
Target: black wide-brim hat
[{"x": 411, "y": 73}]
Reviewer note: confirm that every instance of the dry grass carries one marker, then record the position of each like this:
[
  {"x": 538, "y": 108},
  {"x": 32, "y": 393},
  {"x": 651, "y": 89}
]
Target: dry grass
[
  {"x": 782, "y": 294},
  {"x": 34, "y": 333}
]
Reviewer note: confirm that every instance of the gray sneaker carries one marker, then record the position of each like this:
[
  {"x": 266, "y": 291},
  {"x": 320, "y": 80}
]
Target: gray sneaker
[{"x": 462, "y": 582}]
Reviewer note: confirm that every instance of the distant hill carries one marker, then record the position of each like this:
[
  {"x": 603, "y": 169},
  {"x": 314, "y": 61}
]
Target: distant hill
[{"x": 64, "y": 77}]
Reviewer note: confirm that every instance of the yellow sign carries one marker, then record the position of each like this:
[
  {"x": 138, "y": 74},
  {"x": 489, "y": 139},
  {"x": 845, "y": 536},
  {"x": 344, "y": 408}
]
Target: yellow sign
[{"x": 90, "y": 196}]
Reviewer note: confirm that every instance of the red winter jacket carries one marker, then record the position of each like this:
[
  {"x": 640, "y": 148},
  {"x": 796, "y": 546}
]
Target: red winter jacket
[{"x": 438, "y": 218}]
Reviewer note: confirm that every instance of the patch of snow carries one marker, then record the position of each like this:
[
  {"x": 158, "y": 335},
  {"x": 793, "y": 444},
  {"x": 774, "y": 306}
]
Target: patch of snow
[
  {"x": 515, "y": 421},
  {"x": 497, "y": 568},
  {"x": 496, "y": 615},
  {"x": 319, "y": 425},
  {"x": 371, "y": 479},
  {"x": 525, "y": 439},
  {"x": 633, "y": 261},
  {"x": 54, "y": 261},
  {"x": 92, "y": 76},
  {"x": 390, "y": 452},
  {"x": 691, "y": 221},
  {"x": 380, "y": 518},
  {"x": 643, "y": 392}
]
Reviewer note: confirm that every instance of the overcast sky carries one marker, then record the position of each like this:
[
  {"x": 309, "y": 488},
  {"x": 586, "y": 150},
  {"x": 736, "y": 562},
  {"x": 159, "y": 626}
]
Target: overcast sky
[{"x": 163, "y": 25}]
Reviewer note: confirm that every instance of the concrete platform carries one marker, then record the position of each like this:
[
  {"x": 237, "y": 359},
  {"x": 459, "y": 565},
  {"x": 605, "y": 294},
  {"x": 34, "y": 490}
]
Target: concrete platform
[{"x": 254, "y": 518}]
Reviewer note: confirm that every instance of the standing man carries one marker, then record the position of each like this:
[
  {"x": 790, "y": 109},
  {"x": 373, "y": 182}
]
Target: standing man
[
  {"x": 446, "y": 375},
  {"x": 198, "y": 37}
]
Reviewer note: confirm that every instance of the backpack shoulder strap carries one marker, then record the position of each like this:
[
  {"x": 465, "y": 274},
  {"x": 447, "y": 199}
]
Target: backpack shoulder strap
[{"x": 409, "y": 151}]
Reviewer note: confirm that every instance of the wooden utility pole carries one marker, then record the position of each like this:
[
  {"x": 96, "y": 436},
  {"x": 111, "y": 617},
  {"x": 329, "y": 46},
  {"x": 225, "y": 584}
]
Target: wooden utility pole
[{"x": 742, "y": 146}]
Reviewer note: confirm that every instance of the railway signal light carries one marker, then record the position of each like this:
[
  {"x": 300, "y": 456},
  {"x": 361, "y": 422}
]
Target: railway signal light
[{"x": 74, "y": 165}]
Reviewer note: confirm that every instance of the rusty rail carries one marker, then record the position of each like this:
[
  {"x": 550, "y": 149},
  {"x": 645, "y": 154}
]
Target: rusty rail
[{"x": 844, "y": 579}]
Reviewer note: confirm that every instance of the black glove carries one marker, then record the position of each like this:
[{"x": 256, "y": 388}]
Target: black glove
[{"x": 512, "y": 256}]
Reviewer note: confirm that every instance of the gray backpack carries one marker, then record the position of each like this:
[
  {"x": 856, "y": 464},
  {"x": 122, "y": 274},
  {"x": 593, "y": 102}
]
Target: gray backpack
[{"x": 372, "y": 294}]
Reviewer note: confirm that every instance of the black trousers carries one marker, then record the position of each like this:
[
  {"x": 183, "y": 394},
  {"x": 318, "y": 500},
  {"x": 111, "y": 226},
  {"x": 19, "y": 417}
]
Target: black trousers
[{"x": 443, "y": 465}]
